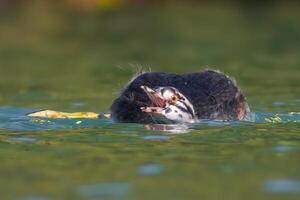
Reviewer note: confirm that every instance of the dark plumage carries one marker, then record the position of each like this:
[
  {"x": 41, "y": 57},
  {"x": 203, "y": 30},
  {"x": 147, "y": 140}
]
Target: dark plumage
[{"x": 213, "y": 95}]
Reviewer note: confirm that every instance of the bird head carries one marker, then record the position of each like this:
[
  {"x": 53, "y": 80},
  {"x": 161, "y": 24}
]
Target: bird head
[{"x": 169, "y": 103}]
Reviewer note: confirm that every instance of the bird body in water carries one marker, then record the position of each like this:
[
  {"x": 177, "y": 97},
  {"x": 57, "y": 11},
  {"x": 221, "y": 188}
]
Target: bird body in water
[{"x": 157, "y": 97}]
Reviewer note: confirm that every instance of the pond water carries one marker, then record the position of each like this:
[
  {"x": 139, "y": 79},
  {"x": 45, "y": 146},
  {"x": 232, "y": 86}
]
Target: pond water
[{"x": 79, "y": 62}]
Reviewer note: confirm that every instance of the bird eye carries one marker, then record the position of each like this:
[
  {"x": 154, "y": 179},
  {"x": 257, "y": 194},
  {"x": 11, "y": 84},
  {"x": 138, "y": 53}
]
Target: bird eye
[{"x": 174, "y": 98}]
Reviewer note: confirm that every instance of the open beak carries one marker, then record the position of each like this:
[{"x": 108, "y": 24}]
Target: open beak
[{"x": 157, "y": 100}]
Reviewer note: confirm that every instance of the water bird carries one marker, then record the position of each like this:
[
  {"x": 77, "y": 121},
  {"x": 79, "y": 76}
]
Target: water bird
[{"x": 159, "y": 97}]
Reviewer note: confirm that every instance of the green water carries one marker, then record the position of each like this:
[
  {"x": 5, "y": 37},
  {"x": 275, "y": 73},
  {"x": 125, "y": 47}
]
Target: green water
[{"x": 51, "y": 59}]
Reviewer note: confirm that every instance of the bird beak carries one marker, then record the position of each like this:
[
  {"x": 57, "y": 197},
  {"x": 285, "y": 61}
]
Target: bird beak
[{"x": 155, "y": 97}]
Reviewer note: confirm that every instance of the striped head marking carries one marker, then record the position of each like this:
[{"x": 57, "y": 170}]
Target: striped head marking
[{"x": 169, "y": 103}]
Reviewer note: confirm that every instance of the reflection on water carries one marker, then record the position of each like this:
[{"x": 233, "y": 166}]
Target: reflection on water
[{"x": 169, "y": 128}]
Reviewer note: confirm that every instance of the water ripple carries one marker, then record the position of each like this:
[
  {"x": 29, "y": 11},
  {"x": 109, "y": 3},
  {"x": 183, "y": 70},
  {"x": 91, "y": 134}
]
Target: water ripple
[
  {"x": 13, "y": 118},
  {"x": 101, "y": 190},
  {"x": 35, "y": 198},
  {"x": 283, "y": 149},
  {"x": 156, "y": 137},
  {"x": 149, "y": 169},
  {"x": 282, "y": 186},
  {"x": 22, "y": 139}
]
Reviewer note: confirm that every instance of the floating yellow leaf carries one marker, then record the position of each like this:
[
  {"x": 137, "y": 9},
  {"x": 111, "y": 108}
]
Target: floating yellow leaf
[{"x": 57, "y": 114}]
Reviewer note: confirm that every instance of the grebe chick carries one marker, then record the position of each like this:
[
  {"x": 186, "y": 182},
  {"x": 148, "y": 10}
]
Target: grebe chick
[{"x": 157, "y": 97}]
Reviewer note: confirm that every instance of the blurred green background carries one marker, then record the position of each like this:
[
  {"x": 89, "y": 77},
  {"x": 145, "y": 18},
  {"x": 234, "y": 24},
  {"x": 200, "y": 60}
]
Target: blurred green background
[
  {"x": 76, "y": 55},
  {"x": 56, "y": 52}
]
